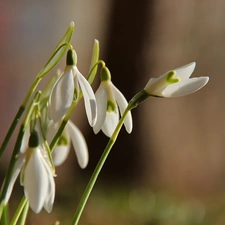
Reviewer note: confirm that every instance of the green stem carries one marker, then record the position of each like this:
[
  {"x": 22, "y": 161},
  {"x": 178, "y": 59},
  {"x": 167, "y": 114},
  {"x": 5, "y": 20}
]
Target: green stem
[
  {"x": 134, "y": 102},
  {"x": 19, "y": 210},
  {"x": 2, "y": 205},
  {"x": 98, "y": 168},
  {"x": 24, "y": 214},
  {"x": 5, "y": 217},
  {"x": 92, "y": 73},
  {"x": 62, "y": 126}
]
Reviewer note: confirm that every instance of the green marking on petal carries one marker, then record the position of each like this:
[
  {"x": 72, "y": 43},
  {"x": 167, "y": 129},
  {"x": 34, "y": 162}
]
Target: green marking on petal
[
  {"x": 63, "y": 141},
  {"x": 75, "y": 94},
  {"x": 105, "y": 74},
  {"x": 111, "y": 106},
  {"x": 171, "y": 79}
]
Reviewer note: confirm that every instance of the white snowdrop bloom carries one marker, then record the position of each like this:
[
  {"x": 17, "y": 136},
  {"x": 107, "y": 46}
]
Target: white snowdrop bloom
[
  {"x": 67, "y": 89},
  {"x": 176, "y": 83},
  {"x": 109, "y": 99},
  {"x": 36, "y": 176},
  {"x": 70, "y": 134}
]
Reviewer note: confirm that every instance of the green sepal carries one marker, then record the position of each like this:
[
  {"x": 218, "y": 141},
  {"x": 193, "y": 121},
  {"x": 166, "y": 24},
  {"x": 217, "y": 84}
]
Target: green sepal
[
  {"x": 171, "y": 79},
  {"x": 105, "y": 74},
  {"x": 34, "y": 139},
  {"x": 59, "y": 51},
  {"x": 94, "y": 60},
  {"x": 71, "y": 58}
]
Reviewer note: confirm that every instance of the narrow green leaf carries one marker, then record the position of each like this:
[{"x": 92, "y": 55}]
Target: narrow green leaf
[
  {"x": 59, "y": 51},
  {"x": 5, "y": 217},
  {"x": 94, "y": 60}
]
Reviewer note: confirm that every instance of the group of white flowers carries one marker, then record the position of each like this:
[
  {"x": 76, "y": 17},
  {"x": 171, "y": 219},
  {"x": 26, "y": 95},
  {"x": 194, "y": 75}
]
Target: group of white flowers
[{"x": 36, "y": 164}]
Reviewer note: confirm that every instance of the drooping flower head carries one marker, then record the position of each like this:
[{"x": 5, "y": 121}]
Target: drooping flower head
[
  {"x": 176, "y": 83},
  {"x": 110, "y": 103},
  {"x": 36, "y": 176},
  {"x": 67, "y": 89}
]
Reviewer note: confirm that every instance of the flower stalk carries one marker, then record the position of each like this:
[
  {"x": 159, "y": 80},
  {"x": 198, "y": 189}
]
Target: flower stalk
[
  {"x": 62, "y": 126},
  {"x": 99, "y": 167}
]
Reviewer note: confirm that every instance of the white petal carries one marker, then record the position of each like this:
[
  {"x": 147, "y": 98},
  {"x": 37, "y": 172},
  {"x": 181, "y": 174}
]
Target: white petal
[
  {"x": 79, "y": 144},
  {"x": 25, "y": 140},
  {"x": 51, "y": 188},
  {"x": 62, "y": 96},
  {"x": 185, "y": 72},
  {"x": 110, "y": 123},
  {"x": 16, "y": 171},
  {"x": 89, "y": 98},
  {"x": 60, "y": 154},
  {"x": 185, "y": 87},
  {"x": 101, "y": 99},
  {"x": 155, "y": 86},
  {"x": 48, "y": 205},
  {"x": 36, "y": 183},
  {"x": 122, "y": 103}
]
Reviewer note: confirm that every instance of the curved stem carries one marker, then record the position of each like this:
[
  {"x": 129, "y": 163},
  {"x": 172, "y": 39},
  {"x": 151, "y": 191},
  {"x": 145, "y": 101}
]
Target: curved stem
[
  {"x": 98, "y": 168},
  {"x": 134, "y": 102},
  {"x": 92, "y": 73}
]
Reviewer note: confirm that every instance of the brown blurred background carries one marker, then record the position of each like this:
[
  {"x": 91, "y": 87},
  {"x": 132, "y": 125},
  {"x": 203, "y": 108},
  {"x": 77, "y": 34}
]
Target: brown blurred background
[{"x": 177, "y": 148}]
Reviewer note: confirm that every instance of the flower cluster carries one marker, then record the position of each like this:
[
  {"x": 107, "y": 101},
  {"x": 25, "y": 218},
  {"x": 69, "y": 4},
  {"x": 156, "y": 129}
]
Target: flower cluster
[
  {"x": 36, "y": 161},
  {"x": 47, "y": 131}
]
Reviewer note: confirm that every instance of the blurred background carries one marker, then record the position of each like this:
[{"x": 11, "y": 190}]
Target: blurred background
[{"x": 171, "y": 168}]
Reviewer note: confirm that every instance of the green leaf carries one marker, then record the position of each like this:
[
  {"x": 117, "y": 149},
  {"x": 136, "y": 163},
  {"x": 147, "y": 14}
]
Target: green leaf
[
  {"x": 59, "y": 51},
  {"x": 94, "y": 60}
]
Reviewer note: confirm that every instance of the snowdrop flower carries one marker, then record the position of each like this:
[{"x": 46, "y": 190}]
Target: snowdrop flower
[
  {"x": 109, "y": 99},
  {"x": 67, "y": 89},
  {"x": 70, "y": 134},
  {"x": 176, "y": 83},
  {"x": 36, "y": 176}
]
